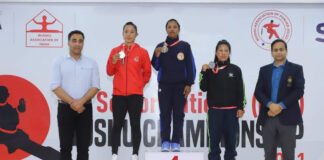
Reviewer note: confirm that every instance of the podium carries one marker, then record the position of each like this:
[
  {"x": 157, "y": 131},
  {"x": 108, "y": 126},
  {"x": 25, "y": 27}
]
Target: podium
[{"x": 174, "y": 156}]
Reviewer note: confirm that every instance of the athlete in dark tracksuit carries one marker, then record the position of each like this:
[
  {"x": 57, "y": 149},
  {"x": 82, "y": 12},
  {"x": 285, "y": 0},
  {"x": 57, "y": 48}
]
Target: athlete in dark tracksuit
[
  {"x": 176, "y": 69},
  {"x": 226, "y": 99}
]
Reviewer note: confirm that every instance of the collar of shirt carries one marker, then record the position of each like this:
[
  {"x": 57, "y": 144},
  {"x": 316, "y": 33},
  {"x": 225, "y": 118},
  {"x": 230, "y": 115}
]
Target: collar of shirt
[
  {"x": 169, "y": 40},
  {"x": 68, "y": 56},
  {"x": 281, "y": 66}
]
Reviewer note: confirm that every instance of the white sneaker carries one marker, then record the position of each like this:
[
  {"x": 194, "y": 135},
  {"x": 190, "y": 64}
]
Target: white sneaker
[
  {"x": 114, "y": 157},
  {"x": 134, "y": 157}
]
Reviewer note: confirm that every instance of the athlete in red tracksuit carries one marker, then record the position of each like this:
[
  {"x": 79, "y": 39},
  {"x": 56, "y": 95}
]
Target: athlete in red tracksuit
[{"x": 131, "y": 73}]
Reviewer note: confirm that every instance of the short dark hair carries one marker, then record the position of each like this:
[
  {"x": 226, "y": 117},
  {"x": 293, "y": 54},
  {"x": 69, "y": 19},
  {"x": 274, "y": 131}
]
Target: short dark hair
[
  {"x": 132, "y": 24},
  {"x": 277, "y": 41},
  {"x": 75, "y": 32},
  {"x": 170, "y": 20}
]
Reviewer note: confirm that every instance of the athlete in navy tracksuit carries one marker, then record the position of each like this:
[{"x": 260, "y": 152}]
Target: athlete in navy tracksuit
[
  {"x": 226, "y": 99},
  {"x": 176, "y": 73}
]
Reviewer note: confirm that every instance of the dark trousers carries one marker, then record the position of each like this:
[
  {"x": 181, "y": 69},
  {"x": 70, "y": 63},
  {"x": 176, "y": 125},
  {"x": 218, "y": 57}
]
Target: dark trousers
[
  {"x": 275, "y": 134},
  {"x": 69, "y": 122},
  {"x": 121, "y": 104},
  {"x": 172, "y": 103},
  {"x": 222, "y": 123}
]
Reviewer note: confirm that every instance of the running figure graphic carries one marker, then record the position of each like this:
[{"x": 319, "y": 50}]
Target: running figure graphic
[{"x": 270, "y": 29}]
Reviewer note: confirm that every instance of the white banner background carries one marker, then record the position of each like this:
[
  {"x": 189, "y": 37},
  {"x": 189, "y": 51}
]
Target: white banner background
[{"x": 202, "y": 25}]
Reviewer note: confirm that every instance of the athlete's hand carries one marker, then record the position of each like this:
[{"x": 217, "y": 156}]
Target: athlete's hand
[
  {"x": 158, "y": 51},
  {"x": 116, "y": 57},
  {"x": 239, "y": 113},
  {"x": 186, "y": 91},
  {"x": 205, "y": 67}
]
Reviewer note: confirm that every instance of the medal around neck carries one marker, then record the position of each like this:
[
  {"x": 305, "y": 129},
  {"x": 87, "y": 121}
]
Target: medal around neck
[
  {"x": 164, "y": 49},
  {"x": 121, "y": 54}
]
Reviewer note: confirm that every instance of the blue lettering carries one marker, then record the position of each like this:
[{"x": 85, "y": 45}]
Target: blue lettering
[{"x": 320, "y": 30}]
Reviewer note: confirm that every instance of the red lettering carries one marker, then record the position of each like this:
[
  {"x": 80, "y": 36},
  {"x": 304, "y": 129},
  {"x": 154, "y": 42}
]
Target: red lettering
[
  {"x": 175, "y": 158},
  {"x": 199, "y": 102},
  {"x": 301, "y": 156},
  {"x": 145, "y": 109},
  {"x": 193, "y": 100},
  {"x": 111, "y": 110},
  {"x": 186, "y": 107},
  {"x": 302, "y": 105},
  {"x": 103, "y": 108}
]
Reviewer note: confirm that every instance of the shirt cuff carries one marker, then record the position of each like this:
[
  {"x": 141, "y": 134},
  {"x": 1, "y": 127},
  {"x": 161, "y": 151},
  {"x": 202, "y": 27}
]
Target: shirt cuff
[
  {"x": 268, "y": 104},
  {"x": 54, "y": 86},
  {"x": 283, "y": 105}
]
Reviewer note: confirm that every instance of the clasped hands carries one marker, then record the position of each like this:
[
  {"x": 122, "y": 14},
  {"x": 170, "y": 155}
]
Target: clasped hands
[
  {"x": 77, "y": 105},
  {"x": 274, "y": 109}
]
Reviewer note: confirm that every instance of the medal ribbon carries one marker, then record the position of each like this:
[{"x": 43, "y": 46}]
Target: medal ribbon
[
  {"x": 215, "y": 71},
  {"x": 173, "y": 44}
]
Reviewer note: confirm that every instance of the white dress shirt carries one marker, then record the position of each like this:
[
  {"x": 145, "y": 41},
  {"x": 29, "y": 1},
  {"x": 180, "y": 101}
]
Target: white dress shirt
[{"x": 75, "y": 77}]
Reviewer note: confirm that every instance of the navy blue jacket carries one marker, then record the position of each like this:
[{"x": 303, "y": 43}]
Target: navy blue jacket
[
  {"x": 177, "y": 66},
  {"x": 291, "y": 89}
]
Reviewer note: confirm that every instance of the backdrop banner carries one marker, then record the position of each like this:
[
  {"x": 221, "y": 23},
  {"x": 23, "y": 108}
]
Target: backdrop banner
[{"x": 32, "y": 35}]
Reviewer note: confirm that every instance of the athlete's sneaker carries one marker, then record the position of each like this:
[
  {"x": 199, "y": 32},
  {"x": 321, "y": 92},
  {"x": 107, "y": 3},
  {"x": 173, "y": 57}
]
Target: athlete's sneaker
[
  {"x": 134, "y": 157},
  {"x": 175, "y": 147},
  {"x": 165, "y": 146},
  {"x": 114, "y": 157}
]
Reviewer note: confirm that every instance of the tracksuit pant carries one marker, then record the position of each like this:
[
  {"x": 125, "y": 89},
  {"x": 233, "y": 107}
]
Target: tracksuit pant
[
  {"x": 222, "y": 123},
  {"x": 121, "y": 104},
  {"x": 172, "y": 103}
]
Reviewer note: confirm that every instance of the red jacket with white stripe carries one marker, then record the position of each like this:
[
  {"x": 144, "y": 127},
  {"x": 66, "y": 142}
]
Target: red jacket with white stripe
[{"x": 131, "y": 76}]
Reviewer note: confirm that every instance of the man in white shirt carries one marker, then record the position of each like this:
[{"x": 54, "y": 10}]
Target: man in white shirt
[{"x": 75, "y": 81}]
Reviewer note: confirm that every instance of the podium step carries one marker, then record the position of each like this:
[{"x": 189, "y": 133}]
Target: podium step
[{"x": 174, "y": 156}]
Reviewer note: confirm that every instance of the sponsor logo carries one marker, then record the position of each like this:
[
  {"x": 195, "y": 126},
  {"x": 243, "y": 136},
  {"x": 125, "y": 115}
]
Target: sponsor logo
[
  {"x": 270, "y": 25},
  {"x": 136, "y": 59},
  {"x": 180, "y": 56},
  {"x": 44, "y": 31}
]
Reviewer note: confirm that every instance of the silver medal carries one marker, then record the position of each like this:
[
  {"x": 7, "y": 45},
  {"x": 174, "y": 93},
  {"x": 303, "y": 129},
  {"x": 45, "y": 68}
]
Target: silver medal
[
  {"x": 121, "y": 54},
  {"x": 164, "y": 49},
  {"x": 212, "y": 65}
]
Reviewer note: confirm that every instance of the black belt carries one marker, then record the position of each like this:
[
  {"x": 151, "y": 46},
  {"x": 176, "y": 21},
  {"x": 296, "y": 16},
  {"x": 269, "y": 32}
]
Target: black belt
[{"x": 62, "y": 102}]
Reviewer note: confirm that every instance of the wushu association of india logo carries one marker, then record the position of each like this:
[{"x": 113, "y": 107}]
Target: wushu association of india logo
[
  {"x": 44, "y": 31},
  {"x": 270, "y": 25},
  {"x": 24, "y": 120}
]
